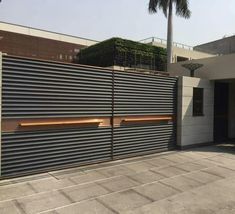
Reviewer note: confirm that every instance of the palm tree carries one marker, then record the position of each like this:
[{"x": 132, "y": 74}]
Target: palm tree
[{"x": 182, "y": 9}]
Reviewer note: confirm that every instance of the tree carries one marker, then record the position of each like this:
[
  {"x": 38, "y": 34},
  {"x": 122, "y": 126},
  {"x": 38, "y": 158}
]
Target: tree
[{"x": 182, "y": 9}]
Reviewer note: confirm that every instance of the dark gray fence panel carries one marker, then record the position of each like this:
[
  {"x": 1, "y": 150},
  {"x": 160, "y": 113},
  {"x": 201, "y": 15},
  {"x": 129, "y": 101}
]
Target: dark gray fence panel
[
  {"x": 36, "y": 89},
  {"x": 144, "y": 95},
  {"x": 28, "y": 152}
]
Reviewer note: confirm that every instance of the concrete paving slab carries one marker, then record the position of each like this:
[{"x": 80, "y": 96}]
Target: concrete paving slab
[
  {"x": 50, "y": 184},
  {"x": 9, "y": 207},
  {"x": 139, "y": 166},
  {"x": 202, "y": 177},
  {"x": 118, "y": 183},
  {"x": 123, "y": 201},
  {"x": 227, "y": 155},
  {"x": 15, "y": 190},
  {"x": 169, "y": 171},
  {"x": 87, "y": 177},
  {"x": 85, "y": 191},
  {"x": 181, "y": 183},
  {"x": 156, "y": 191},
  {"x": 191, "y": 166},
  {"x": 193, "y": 156},
  {"x": 160, "y": 162},
  {"x": 42, "y": 202},
  {"x": 66, "y": 173},
  {"x": 87, "y": 207},
  {"x": 222, "y": 160},
  {"x": 24, "y": 179},
  {"x": 196, "y": 189},
  {"x": 220, "y": 171},
  {"x": 178, "y": 158},
  {"x": 115, "y": 171},
  {"x": 147, "y": 177},
  {"x": 205, "y": 162}
]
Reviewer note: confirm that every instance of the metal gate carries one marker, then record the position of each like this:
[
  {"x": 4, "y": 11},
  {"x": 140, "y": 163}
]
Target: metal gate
[
  {"x": 58, "y": 115},
  {"x": 144, "y": 111}
]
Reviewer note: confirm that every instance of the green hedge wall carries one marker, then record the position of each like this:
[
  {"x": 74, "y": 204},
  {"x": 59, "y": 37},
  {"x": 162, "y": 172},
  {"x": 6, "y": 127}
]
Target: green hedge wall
[{"x": 122, "y": 52}]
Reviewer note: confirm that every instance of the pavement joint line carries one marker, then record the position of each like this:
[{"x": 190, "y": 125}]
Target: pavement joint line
[
  {"x": 64, "y": 173},
  {"x": 71, "y": 180},
  {"x": 31, "y": 187},
  {"x": 104, "y": 187},
  {"x": 66, "y": 196},
  {"x": 174, "y": 188},
  {"x": 53, "y": 176},
  {"x": 227, "y": 168},
  {"x": 24, "y": 182},
  {"x": 219, "y": 164},
  {"x": 107, "y": 206},
  {"x": 19, "y": 207},
  {"x": 177, "y": 167},
  {"x": 222, "y": 177},
  {"x": 219, "y": 178},
  {"x": 142, "y": 195},
  {"x": 133, "y": 179},
  {"x": 129, "y": 176}
]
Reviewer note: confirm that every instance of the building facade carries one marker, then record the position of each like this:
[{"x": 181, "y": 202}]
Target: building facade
[
  {"x": 222, "y": 46},
  {"x": 216, "y": 80},
  {"x": 30, "y": 42}
]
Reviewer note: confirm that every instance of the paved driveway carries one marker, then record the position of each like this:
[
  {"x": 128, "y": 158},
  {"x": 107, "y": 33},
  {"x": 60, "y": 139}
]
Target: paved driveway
[{"x": 194, "y": 181}]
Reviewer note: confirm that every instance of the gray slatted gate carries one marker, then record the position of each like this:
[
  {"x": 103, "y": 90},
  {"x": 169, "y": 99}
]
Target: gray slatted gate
[
  {"x": 39, "y": 96},
  {"x": 41, "y": 90},
  {"x": 140, "y": 95}
]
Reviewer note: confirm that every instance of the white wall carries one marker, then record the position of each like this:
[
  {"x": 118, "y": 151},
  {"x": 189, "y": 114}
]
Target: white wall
[
  {"x": 194, "y": 130},
  {"x": 214, "y": 68}
]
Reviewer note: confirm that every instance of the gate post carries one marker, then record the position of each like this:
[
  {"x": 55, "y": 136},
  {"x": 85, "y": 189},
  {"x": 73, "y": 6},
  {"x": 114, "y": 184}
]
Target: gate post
[{"x": 0, "y": 113}]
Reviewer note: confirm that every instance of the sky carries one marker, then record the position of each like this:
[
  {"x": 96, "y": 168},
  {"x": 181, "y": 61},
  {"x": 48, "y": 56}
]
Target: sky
[{"x": 103, "y": 19}]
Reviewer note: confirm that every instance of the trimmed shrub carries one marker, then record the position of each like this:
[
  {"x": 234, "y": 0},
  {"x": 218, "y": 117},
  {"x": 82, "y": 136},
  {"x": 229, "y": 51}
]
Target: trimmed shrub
[{"x": 126, "y": 53}]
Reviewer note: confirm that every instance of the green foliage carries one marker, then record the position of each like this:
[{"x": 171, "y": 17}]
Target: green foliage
[{"x": 122, "y": 52}]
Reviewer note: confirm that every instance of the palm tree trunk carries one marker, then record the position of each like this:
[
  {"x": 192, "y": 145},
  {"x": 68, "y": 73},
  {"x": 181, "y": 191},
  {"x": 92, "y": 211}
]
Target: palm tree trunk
[{"x": 169, "y": 36}]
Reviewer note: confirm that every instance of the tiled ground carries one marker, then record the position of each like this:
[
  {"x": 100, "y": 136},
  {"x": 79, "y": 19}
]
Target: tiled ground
[{"x": 198, "y": 181}]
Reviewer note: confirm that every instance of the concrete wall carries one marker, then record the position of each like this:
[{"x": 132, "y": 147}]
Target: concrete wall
[
  {"x": 194, "y": 130},
  {"x": 231, "y": 125},
  {"x": 221, "y": 46},
  {"x": 184, "y": 52},
  {"x": 214, "y": 68}
]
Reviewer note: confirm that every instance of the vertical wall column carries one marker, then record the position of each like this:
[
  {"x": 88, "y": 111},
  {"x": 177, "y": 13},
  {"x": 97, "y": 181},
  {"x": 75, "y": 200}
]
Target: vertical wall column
[{"x": 193, "y": 130}]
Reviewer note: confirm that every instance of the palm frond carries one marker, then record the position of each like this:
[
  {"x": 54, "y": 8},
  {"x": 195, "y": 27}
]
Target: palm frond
[
  {"x": 182, "y": 8},
  {"x": 153, "y": 6},
  {"x": 164, "y": 6}
]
